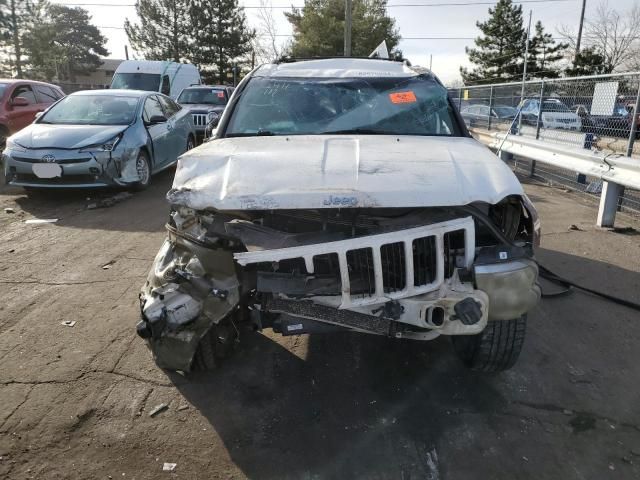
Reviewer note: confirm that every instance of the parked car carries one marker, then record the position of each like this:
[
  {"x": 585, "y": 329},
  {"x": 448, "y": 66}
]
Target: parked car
[
  {"x": 555, "y": 114},
  {"x": 98, "y": 138},
  {"x": 168, "y": 78},
  {"x": 353, "y": 199},
  {"x": 205, "y": 103},
  {"x": 479, "y": 114},
  {"x": 618, "y": 124},
  {"x": 20, "y": 101}
]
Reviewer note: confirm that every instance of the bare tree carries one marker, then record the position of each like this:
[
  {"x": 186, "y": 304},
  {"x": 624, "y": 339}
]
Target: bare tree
[
  {"x": 614, "y": 35},
  {"x": 266, "y": 45}
]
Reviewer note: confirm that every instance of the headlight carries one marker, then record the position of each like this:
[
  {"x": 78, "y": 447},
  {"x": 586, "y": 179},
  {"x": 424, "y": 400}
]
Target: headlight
[
  {"x": 15, "y": 147},
  {"x": 211, "y": 116},
  {"x": 104, "y": 147}
]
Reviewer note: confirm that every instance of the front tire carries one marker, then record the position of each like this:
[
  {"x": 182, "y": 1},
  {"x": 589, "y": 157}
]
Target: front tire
[
  {"x": 495, "y": 349},
  {"x": 143, "y": 168},
  {"x": 216, "y": 345}
]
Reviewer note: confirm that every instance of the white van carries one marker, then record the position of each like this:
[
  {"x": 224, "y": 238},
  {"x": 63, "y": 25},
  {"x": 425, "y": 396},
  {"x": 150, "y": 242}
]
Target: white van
[{"x": 155, "y": 76}]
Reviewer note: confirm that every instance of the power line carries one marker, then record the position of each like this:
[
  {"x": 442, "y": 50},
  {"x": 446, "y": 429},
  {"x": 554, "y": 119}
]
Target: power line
[{"x": 396, "y": 5}]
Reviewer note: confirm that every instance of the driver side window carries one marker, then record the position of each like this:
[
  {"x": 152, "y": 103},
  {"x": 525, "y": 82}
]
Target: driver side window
[
  {"x": 151, "y": 108},
  {"x": 166, "y": 86},
  {"x": 25, "y": 92}
]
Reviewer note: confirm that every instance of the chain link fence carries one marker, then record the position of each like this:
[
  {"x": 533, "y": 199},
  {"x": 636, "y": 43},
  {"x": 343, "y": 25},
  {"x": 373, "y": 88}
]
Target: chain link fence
[{"x": 600, "y": 112}]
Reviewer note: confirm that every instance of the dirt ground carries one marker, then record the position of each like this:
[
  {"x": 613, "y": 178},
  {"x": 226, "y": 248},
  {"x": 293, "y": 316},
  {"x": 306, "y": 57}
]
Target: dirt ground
[{"x": 75, "y": 401}]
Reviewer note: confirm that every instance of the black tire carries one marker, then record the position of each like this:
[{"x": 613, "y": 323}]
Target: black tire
[
  {"x": 141, "y": 185},
  {"x": 216, "y": 345},
  {"x": 496, "y": 349}
]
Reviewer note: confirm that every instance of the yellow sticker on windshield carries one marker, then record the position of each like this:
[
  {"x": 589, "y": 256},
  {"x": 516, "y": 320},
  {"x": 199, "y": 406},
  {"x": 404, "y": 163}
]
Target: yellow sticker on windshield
[{"x": 403, "y": 97}]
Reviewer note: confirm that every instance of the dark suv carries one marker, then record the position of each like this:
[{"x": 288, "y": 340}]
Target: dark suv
[{"x": 20, "y": 100}]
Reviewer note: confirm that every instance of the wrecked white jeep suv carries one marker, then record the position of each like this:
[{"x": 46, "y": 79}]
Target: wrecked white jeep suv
[{"x": 342, "y": 195}]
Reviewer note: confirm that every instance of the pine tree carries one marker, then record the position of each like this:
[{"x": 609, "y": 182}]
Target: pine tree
[
  {"x": 221, "y": 35},
  {"x": 165, "y": 31},
  {"x": 500, "y": 51},
  {"x": 13, "y": 16},
  {"x": 61, "y": 42},
  {"x": 544, "y": 54},
  {"x": 318, "y": 28},
  {"x": 590, "y": 61}
]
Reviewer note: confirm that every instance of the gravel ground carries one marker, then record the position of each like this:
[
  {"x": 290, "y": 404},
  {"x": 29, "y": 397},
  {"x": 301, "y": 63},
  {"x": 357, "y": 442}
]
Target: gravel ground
[{"x": 76, "y": 400}]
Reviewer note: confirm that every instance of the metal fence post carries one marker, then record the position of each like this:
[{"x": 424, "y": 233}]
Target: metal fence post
[
  {"x": 611, "y": 192},
  {"x": 540, "y": 110},
  {"x": 459, "y": 99},
  {"x": 490, "y": 107}
]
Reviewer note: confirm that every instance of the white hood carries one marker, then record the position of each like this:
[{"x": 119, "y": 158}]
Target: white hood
[{"x": 309, "y": 172}]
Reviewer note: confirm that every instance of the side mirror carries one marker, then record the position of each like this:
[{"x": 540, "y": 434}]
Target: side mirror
[
  {"x": 19, "y": 102},
  {"x": 157, "y": 119}
]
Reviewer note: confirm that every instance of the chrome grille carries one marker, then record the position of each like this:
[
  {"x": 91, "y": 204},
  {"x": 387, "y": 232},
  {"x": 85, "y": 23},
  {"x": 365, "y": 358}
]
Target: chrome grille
[
  {"x": 199, "y": 119},
  {"x": 381, "y": 267}
]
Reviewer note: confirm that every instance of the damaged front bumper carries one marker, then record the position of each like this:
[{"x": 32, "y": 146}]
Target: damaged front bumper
[{"x": 404, "y": 283}]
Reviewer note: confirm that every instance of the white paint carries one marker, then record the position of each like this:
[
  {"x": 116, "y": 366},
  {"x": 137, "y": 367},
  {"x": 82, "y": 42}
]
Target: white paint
[{"x": 325, "y": 171}]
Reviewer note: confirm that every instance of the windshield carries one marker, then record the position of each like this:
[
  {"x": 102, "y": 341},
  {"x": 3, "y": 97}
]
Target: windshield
[
  {"x": 314, "y": 106},
  {"x": 209, "y": 96},
  {"x": 137, "y": 81},
  {"x": 92, "y": 110},
  {"x": 554, "y": 107},
  {"x": 505, "y": 111}
]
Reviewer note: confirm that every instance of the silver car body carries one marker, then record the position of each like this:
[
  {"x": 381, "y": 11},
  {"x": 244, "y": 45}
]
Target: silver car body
[{"x": 80, "y": 153}]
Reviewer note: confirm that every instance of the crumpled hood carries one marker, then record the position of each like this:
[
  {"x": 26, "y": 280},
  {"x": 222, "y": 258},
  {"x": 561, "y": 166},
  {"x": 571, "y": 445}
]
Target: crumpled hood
[
  {"x": 42, "y": 135},
  {"x": 329, "y": 171}
]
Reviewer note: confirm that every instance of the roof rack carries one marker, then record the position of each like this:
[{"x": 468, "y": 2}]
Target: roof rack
[{"x": 287, "y": 59}]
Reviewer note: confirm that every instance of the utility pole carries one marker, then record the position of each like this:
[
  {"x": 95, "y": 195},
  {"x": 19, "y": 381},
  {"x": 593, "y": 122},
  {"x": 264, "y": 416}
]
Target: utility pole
[
  {"x": 347, "y": 28},
  {"x": 524, "y": 70},
  {"x": 430, "y": 62},
  {"x": 526, "y": 57},
  {"x": 575, "y": 60}
]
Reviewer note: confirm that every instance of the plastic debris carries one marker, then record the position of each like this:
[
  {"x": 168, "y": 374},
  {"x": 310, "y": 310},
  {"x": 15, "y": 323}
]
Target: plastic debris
[
  {"x": 182, "y": 407},
  {"x": 38, "y": 221},
  {"x": 68, "y": 323},
  {"x": 9, "y": 210},
  {"x": 159, "y": 408},
  {"x": 107, "y": 265},
  {"x": 169, "y": 467}
]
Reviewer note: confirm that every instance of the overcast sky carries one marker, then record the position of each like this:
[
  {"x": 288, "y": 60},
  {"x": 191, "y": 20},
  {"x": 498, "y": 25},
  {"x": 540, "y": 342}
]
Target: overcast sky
[{"x": 444, "y": 20}]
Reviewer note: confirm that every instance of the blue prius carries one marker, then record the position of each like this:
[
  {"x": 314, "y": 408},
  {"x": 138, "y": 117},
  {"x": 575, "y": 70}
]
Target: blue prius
[{"x": 99, "y": 138}]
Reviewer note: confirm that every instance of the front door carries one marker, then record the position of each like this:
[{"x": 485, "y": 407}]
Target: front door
[{"x": 160, "y": 132}]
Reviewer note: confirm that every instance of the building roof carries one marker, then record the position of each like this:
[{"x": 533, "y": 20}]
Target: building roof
[
  {"x": 110, "y": 63},
  {"x": 338, "y": 67}
]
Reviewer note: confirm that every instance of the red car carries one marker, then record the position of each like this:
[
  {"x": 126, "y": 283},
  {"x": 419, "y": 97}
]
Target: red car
[{"x": 20, "y": 100}]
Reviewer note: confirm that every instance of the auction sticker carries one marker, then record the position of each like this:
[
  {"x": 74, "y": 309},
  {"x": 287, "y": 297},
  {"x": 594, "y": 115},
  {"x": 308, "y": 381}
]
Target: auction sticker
[{"x": 403, "y": 97}]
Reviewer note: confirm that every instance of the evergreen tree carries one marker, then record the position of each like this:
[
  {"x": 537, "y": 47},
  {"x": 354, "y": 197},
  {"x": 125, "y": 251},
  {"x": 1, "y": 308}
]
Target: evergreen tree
[
  {"x": 590, "y": 61},
  {"x": 61, "y": 42},
  {"x": 165, "y": 31},
  {"x": 13, "y": 16},
  {"x": 500, "y": 51},
  {"x": 221, "y": 35},
  {"x": 318, "y": 28},
  {"x": 544, "y": 54}
]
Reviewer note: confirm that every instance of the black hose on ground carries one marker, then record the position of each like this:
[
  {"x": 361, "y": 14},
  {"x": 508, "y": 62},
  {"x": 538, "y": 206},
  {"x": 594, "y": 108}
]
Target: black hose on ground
[{"x": 569, "y": 286}]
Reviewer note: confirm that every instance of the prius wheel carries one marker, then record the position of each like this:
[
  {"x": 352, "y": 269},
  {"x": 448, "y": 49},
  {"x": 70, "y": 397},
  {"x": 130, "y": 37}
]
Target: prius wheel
[
  {"x": 143, "y": 168},
  {"x": 216, "y": 345}
]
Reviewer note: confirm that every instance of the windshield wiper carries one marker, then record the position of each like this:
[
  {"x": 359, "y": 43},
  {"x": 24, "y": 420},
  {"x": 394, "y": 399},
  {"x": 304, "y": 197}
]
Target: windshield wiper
[
  {"x": 259, "y": 133},
  {"x": 363, "y": 131}
]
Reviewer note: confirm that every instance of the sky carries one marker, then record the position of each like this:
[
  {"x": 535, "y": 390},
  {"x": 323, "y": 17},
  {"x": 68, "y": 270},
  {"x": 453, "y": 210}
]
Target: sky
[{"x": 439, "y": 22}]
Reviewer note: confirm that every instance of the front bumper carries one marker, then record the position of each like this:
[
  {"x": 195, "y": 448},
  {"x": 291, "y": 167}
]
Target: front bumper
[
  {"x": 192, "y": 287},
  {"x": 77, "y": 169}
]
